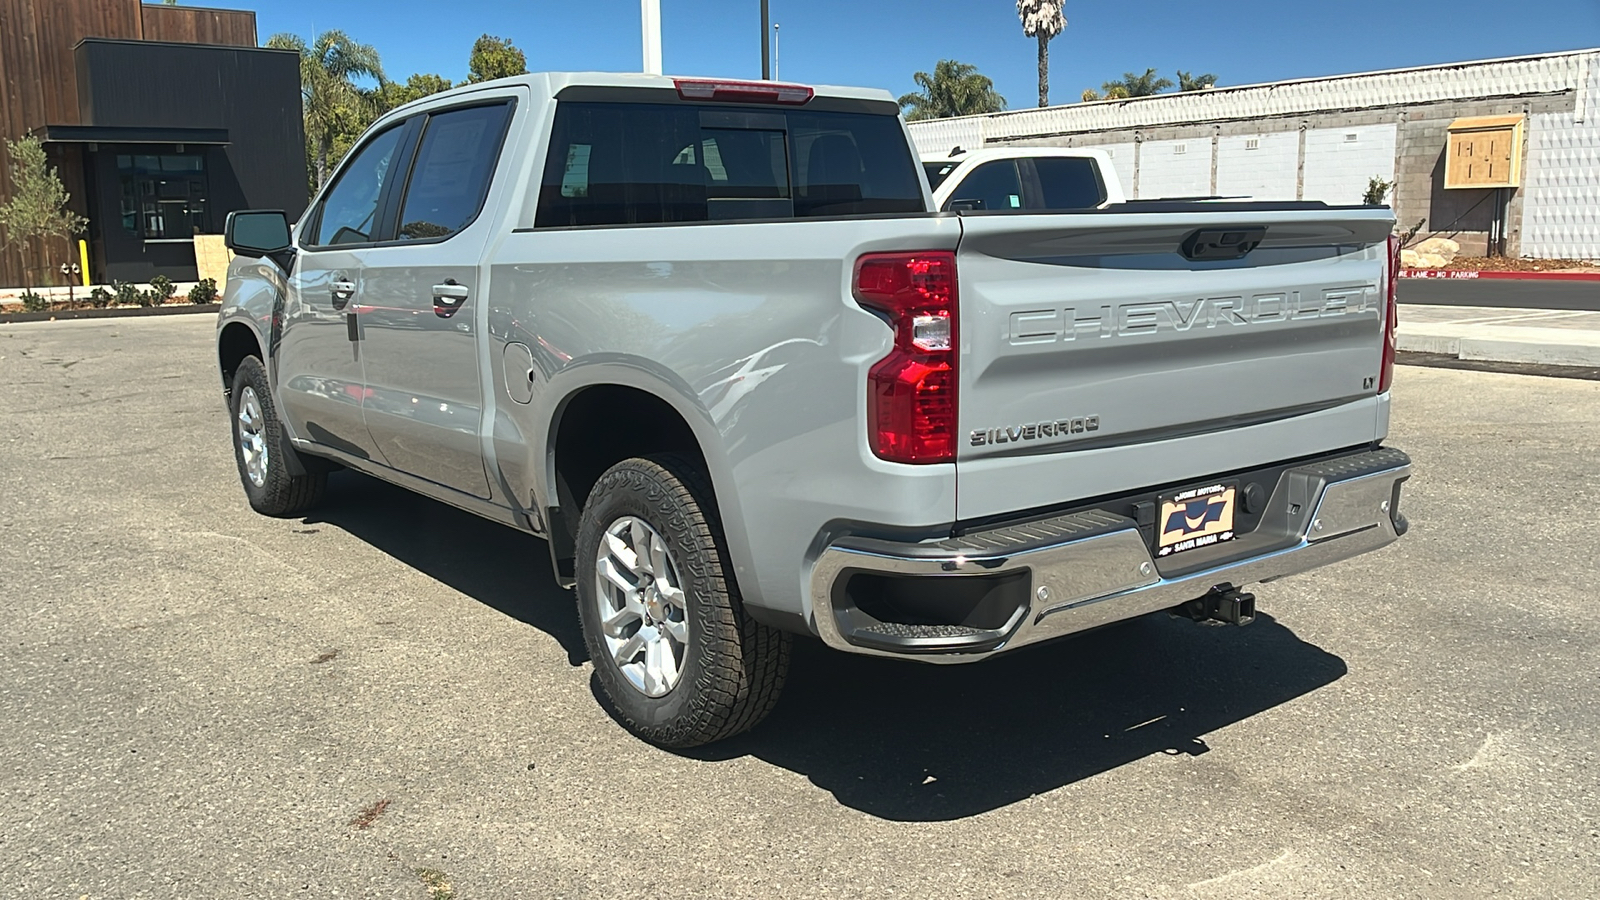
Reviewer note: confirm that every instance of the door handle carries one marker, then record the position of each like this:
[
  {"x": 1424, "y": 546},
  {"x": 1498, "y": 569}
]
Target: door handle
[
  {"x": 342, "y": 291},
  {"x": 448, "y": 297}
]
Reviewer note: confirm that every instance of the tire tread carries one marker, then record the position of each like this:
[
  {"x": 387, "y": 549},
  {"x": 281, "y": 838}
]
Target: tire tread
[
  {"x": 284, "y": 495},
  {"x": 741, "y": 679}
]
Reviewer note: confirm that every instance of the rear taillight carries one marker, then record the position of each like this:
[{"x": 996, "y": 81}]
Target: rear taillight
[
  {"x": 1391, "y": 314},
  {"x": 743, "y": 91},
  {"x": 911, "y": 393}
]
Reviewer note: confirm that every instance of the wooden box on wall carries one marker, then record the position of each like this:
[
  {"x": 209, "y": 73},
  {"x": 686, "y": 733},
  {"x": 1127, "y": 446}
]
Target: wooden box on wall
[{"x": 1484, "y": 152}]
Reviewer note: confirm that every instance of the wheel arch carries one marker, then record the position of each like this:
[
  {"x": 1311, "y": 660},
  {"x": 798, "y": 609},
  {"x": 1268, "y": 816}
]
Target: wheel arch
[
  {"x": 235, "y": 341},
  {"x": 601, "y": 421}
]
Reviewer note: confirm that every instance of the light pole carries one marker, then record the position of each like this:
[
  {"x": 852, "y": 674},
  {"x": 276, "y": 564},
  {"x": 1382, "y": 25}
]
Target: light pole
[
  {"x": 766, "y": 63},
  {"x": 775, "y": 28},
  {"x": 650, "y": 21}
]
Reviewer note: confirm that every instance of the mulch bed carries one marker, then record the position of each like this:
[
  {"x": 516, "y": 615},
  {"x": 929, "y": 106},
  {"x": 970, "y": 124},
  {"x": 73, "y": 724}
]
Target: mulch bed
[
  {"x": 12, "y": 312},
  {"x": 1509, "y": 264}
]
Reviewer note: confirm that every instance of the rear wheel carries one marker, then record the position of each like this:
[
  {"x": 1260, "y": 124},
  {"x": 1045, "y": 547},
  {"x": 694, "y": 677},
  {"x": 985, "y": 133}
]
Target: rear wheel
[
  {"x": 259, "y": 449},
  {"x": 679, "y": 660}
]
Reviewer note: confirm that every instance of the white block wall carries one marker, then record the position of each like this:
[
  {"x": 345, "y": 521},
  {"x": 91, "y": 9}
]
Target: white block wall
[
  {"x": 1561, "y": 194},
  {"x": 1121, "y": 162},
  {"x": 1269, "y": 171},
  {"x": 1165, "y": 172},
  {"x": 937, "y": 137},
  {"x": 1561, "y": 210},
  {"x": 1338, "y": 168}
]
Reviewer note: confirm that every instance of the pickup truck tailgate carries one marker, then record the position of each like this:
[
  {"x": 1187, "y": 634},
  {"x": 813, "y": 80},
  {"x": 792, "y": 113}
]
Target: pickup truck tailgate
[{"x": 1109, "y": 352}]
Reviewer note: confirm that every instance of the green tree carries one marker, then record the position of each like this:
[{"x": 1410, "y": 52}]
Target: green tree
[
  {"x": 954, "y": 89},
  {"x": 336, "y": 108},
  {"x": 1133, "y": 85},
  {"x": 1043, "y": 20},
  {"x": 494, "y": 57},
  {"x": 38, "y": 204},
  {"x": 1188, "y": 82},
  {"x": 1113, "y": 92},
  {"x": 415, "y": 88}
]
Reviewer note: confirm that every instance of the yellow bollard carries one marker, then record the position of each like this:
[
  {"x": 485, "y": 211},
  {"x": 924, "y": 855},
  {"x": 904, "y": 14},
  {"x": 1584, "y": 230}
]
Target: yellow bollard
[{"x": 83, "y": 256}]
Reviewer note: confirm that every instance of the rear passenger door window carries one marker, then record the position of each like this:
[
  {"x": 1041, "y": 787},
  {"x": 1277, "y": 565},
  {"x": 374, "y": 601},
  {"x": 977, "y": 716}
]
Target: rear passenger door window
[
  {"x": 1068, "y": 182},
  {"x": 992, "y": 185},
  {"x": 450, "y": 175}
]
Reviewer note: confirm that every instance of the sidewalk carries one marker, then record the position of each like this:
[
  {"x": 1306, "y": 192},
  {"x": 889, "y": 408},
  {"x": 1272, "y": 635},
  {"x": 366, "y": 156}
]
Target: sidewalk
[{"x": 1534, "y": 336}]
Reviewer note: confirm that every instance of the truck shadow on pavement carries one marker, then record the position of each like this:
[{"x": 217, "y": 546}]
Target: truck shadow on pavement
[
  {"x": 498, "y": 566},
  {"x": 900, "y": 740},
  {"x": 914, "y": 742}
]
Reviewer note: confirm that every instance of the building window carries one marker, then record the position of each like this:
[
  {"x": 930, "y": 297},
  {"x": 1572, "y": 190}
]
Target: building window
[{"x": 163, "y": 196}]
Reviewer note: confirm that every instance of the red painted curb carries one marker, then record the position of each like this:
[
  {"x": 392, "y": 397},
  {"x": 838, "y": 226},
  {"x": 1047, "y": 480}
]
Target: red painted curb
[{"x": 1501, "y": 276}]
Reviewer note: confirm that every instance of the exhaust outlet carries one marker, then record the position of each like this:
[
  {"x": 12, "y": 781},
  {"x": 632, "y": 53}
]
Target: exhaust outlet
[{"x": 1224, "y": 605}]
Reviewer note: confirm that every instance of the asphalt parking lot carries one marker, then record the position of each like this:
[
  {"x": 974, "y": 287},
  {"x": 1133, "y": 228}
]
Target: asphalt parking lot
[{"x": 200, "y": 702}]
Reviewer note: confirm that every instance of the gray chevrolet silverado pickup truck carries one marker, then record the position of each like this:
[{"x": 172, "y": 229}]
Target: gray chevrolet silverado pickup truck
[{"x": 713, "y": 342}]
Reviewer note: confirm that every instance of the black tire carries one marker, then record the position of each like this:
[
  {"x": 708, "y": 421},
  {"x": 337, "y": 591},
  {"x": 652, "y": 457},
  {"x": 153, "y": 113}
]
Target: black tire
[
  {"x": 733, "y": 667},
  {"x": 280, "y": 494}
]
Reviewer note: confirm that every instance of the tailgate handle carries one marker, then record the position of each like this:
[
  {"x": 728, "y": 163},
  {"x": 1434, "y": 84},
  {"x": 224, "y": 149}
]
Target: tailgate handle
[{"x": 1223, "y": 243}]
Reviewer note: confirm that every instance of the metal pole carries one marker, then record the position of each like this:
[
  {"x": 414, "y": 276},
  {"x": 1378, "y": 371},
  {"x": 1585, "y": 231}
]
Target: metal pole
[
  {"x": 650, "y": 20},
  {"x": 766, "y": 62},
  {"x": 775, "y": 51}
]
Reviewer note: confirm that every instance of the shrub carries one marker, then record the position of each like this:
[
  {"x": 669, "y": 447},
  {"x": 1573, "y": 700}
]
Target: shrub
[
  {"x": 100, "y": 298},
  {"x": 126, "y": 294},
  {"x": 32, "y": 302},
  {"x": 161, "y": 290},
  {"x": 1377, "y": 191},
  {"x": 1408, "y": 234},
  {"x": 204, "y": 292}
]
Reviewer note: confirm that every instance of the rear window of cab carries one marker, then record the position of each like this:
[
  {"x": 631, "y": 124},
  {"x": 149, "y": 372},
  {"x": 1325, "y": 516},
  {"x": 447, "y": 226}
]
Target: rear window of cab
[{"x": 628, "y": 164}]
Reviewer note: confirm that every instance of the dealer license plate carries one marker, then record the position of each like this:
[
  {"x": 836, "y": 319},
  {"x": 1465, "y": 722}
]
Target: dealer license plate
[{"x": 1189, "y": 520}]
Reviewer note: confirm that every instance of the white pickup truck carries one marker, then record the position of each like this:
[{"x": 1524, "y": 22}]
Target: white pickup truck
[
  {"x": 1023, "y": 178},
  {"x": 719, "y": 345}
]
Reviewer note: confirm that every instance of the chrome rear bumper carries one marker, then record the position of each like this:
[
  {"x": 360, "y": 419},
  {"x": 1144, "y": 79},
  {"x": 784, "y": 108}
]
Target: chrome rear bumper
[{"x": 1092, "y": 568}]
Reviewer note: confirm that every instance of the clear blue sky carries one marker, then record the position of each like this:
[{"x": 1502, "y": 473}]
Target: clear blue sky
[{"x": 880, "y": 44}]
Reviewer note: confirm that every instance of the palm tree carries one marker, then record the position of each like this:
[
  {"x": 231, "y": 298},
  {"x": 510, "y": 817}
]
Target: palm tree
[
  {"x": 1138, "y": 85},
  {"x": 1114, "y": 91},
  {"x": 1042, "y": 19},
  {"x": 1188, "y": 82},
  {"x": 954, "y": 89},
  {"x": 335, "y": 108}
]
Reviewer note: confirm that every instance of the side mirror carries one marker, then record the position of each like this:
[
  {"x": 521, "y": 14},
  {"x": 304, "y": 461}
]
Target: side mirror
[
  {"x": 257, "y": 232},
  {"x": 964, "y": 204}
]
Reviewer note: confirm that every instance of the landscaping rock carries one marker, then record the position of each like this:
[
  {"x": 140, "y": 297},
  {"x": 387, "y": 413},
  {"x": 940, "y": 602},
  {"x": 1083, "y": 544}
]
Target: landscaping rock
[{"x": 1444, "y": 248}]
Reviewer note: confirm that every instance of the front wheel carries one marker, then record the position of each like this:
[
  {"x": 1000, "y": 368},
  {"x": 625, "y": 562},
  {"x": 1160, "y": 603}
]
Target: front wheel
[
  {"x": 678, "y": 659},
  {"x": 259, "y": 448}
]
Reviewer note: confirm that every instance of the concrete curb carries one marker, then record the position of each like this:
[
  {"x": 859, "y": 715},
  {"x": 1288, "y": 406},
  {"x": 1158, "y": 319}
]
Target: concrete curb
[
  {"x": 1452, "y": 275},
  {"x": 1514, "y": 345},
  {"x": 118, "y": 312},
  {"x": 1533, "y": 338}
]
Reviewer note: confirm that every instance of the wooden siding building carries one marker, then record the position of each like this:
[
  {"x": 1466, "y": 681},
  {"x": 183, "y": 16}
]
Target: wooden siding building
[{"x": 159, "y": 120}]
